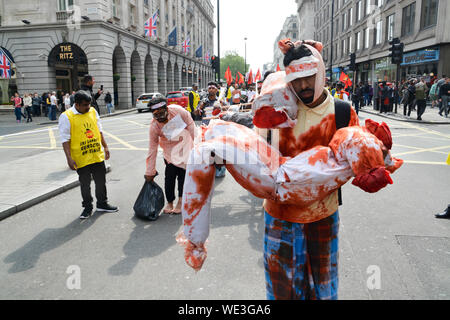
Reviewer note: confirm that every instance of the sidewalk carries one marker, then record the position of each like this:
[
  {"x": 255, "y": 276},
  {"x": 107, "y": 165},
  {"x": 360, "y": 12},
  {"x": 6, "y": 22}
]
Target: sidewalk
[
  {"x": 430, "y": 116},
  {"x": 35, "y": 179}
]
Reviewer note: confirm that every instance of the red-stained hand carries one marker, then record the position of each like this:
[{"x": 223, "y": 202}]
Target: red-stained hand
[
  {"x": 373, "y": 181},
  {"x": 268, "y": 118}
]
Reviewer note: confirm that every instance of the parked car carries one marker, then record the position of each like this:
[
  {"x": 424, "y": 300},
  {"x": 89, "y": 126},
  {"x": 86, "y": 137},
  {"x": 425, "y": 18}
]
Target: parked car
[
  {"x": 186, "y": 89},
  {"x": 144, "y": 99},
  {"x": 180, "y": 98}
]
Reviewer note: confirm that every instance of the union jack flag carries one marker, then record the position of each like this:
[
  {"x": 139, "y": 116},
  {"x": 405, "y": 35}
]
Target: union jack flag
[
  {"x": 150, "y": 26},
  {"x": 186, "y": 45},
  {"x": 5, "y": 66},
  {"x": 207, "y": 56}
]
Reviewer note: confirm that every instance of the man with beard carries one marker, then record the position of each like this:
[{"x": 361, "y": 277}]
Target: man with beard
[
  {"x": 301, "y": 254},
  {"x": 173, "y": 129}
]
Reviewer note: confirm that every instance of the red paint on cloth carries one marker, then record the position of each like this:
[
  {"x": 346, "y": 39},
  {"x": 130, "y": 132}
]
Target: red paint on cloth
[
  {"x": 267, "y": 117},
  {"x": 204, "y": 181},
  {"x": 373, "y": 181}
]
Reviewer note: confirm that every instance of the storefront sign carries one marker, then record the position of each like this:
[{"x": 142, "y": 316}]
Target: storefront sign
[
  {"x": 421, "y": 56},
  {"x": 382, "y": 64},
  {"x": 65, "y": 52}
]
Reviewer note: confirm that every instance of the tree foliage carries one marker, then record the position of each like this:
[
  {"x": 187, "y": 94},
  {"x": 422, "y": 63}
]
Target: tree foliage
[{"x": 235, "y": 62}]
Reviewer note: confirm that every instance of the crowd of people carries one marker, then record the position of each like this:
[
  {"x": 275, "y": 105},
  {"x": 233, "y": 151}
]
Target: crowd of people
[
  {"x": 50, "y": 104},
  {"x": 411, "y": 95}
]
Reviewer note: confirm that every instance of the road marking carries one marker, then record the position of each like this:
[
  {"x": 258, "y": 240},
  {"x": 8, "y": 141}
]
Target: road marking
[
  {"x": 415, "y": 148},
  {"x": 52, "y": 139},
  {"x": 27, "y": 132},
  {"x": 427, "y": 130},
  {"x": 425, "y": 162},
  {"x": 29, "y": 147},
  {"x": 420, "y": 151},
  {"x": 126, "y": 144},
  {"x": 134, "y": 122}
]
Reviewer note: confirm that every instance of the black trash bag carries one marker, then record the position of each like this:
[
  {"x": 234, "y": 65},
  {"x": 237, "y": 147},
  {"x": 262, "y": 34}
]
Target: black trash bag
[{"x": 150, "y": 202}]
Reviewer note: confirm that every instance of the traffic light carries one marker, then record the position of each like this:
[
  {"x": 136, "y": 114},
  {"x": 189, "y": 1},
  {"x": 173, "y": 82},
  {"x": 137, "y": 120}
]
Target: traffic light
[
  {"x": 352, "y": 62},
  {"x": 397, "y": 51},
  {"x": 213, "y": 61}
]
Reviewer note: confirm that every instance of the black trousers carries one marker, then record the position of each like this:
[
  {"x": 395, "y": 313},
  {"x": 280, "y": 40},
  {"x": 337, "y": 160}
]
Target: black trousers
[
  {"x": 421, "y": 106},
  {"x": 97, "y": 171},
  {"x": 172, "y": 174}
]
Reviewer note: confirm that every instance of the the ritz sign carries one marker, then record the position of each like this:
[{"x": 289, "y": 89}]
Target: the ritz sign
[{"x": 65, "y": 52}]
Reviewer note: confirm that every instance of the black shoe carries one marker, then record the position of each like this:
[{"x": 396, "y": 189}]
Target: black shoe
[
  {"x": 444, "y": 215},
  {"x": 87, "y": 212},
  {"x": 107, "y": 208}
]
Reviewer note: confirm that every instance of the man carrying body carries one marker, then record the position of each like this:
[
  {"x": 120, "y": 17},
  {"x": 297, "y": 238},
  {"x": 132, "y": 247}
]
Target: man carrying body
[
  {"x": 81, "y": 134},
  {"x": 300, "y": 253}
]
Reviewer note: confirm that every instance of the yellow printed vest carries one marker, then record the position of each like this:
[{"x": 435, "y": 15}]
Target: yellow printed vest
[
  {"x": 85, "y": 138},
  {"x": 196, "y": 101}
]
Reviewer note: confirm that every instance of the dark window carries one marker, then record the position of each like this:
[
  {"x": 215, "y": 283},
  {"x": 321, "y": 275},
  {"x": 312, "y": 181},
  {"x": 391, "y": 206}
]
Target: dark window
[
  {"x": 408, "y": 17},
  {"x": 429, "y": 13},
  {"x": 145, "y": 97},
  {"x": 174, "y": 95}
]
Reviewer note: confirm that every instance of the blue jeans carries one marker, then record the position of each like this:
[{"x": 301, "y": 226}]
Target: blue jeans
[
  {"x": 52, "y": 113},
  {"x": 109, "y": 106},
  {"x": 366, "y": 99}
]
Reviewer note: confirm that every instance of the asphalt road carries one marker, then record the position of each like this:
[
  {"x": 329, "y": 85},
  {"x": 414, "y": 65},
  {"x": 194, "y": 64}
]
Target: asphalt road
[{"x": 392, "y": 235}]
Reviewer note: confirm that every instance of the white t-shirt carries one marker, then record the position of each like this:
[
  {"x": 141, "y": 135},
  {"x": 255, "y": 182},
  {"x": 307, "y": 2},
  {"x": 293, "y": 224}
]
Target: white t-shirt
[{"x": 53, "y": 100}]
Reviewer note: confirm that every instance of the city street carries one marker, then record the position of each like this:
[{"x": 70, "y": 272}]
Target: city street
[{"x": 392, "y": 234}]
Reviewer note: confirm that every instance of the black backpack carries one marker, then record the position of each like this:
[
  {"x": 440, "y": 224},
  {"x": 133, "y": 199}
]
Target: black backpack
[{"x": 342, "y": 112}]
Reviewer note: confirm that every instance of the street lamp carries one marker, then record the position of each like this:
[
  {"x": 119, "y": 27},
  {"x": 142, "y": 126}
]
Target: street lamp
[{"x": 245, "y": 63}]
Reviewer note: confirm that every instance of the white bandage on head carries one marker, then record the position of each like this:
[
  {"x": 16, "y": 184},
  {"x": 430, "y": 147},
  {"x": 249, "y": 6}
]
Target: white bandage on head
[
  {"x": 301, "y": 68},
  {"x": 159, "y": 105}
]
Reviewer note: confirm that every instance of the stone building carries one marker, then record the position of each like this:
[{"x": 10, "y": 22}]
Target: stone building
[
  {"x": 305, "y": 13},
  {"x": 365, "y": 27},
  {"x": 53, "y": 43},
  {"x": 290, "y": 30}
]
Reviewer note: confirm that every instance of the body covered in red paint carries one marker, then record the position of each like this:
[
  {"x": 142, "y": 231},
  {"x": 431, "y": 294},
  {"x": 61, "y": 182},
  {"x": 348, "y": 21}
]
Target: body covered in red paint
[{"x": 267, "y": 174}]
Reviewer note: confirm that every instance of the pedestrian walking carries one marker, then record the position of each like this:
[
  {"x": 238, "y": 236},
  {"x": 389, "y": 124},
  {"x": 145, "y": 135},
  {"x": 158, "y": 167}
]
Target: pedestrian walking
[
  {"x": 173, "y": 129},
  {"x": 440, "y": 82},
  {"x": 67, "y": 104},
  {"x": 108, "y": 102},
  {"x": 27, "y": 102},
  {"x": 433, "y": 95},
  {"x": 36, "y": 105},
  {"x": 53, "y": 107},
  {"x": 72, "y": 99},
  {"x": 194, "y": 100},
  {"x": 444, "y": 93},
  {"x": 411, "y": 96},
  {"x": 376, "y": 96},
  {"x": 82, "y": 138},
  {"x": 17, "y": 101},
  {"x": 421, "y": 98},
  {"x": 356, "y": 98},
  {"x": 88, "y": 84}
]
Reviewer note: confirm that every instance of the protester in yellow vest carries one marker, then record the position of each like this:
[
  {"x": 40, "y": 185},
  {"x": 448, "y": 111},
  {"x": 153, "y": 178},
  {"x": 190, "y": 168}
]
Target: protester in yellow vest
[
  {"x": 81, "y": 135},
  {"x": 194, "y": 99}
]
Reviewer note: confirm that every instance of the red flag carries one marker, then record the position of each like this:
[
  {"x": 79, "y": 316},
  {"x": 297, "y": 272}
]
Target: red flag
[
  {"x": 241, "y": 78},
  {"x": 237, "y": 78},
  {"x": 228, "y": 76},
  {"x": 278, "y": 67},
  {"x": 346, "y": 80},
  {"x": 258, "y": 76},
  {"x": 250, "y": 77}
]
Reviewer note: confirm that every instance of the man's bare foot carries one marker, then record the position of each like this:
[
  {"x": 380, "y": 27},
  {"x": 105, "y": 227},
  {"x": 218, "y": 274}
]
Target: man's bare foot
[{"x": 169, "y": 208}]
